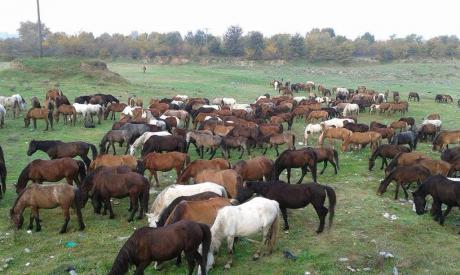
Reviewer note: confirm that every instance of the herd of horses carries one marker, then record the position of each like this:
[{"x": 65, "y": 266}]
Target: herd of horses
[{"x": 214, "y": 199}]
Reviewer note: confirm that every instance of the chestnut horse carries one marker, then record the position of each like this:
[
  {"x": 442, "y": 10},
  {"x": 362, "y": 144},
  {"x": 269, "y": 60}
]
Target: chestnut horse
[
  {"x": 196, "y": 166},
  {"x": 362, "y": 139},
  {"x": 228, "y": 178},
  {"x": 203, "y": 211},
  {"x": 66, "y": 111},
  {"x": 39, "y": 113},
  {"x": 114, "y": 161},
  {"x": 257, "y": 168},
  {"x": 446, "y": 138},
  {"x": 114, "y": 108},
  {"x": 38, "y": 196},
  {"x": 164, "y": 162},
  {"x": 404, "y": 159},
  {"x": 51, "y": 170}
]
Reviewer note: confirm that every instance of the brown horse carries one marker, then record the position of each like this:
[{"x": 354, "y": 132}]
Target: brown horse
[
  {"x": 386, "y": 151},
  {"x": 315, "y": 115},
  {"x": 401, "y": 125},
  {"x": 105, "y": 183},
  {"x": 114, "y": 161},
  {"x": 53, "y": 170},
  {"x": 404, "y": 176},
  {"x": 53, "y": 93},
  {"x": 325, "y": 155},
  {"x": 275, "y": 140},
  {"x": 240, "y": 143},
  {"x": 38, "y": 196},
  {"x": 196, "y": 166},
  {"x": 387, "y": 133},
  {"x": 66, "y": 111},
  {"x": 257, "y": 168},
  {"x": 303, "y": 158},
  {"x": 435, "y": 166},
  {"x": 362, "y": 139},
  {"x": 164, "y": 162},
  {"x": 39, "y": 113},
  {"x": 445, "y": 138},
  {"x": 404, "y": 159},
  {"x": 114, "y": 108},
  {"x": 228, "y": 178},
  {"x": 333, "y": 133},
  {"x": 203, "y": 211},
  {"x": 433, "y": 117},
  {"x": 160, "y": 244}
]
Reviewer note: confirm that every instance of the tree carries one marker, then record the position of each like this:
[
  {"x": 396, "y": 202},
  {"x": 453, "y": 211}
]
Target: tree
[
  {"x": 255, "y": 45},
  {"x": 296, "y": 46},
  {"x": 214, "y": 45},
  {"x": 330, "y": 31},
  {"x": 29, "y": 37},
  {"x": 368, "y": 37},
  {"x": 233, "y": 41}
]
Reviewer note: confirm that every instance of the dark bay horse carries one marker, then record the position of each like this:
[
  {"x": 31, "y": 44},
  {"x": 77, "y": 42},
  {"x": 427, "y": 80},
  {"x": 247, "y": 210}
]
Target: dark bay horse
[
  {"x": 295, "y": 196},
  {"x": 38, "y": 196},
  {"x": 57, "y": 149},
  {"x": 386, "y": 151},
  {"x": 105, "y": 183},
  {"x": 52, "y": 170},
  {"x": 303, "y": 158},
  {"x": 165, "y": 243},
  {"x": 404, "y": 176},
  {"x": 443, "y": 191},
  {"x": 3, "y": 173}
]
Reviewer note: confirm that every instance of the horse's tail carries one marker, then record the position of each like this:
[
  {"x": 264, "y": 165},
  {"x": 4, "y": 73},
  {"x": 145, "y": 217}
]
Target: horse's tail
[
  {"x": 81, "y": 172},
  {"x": 205, "y": 246},
  {"x": 336, "y": 158},
  {"x": 125, "y": 257},
  {"x": 332, "y": 202},
  {"x": 272, "y": 236},
  {"x": 93, "y": 150},
  {"x": 277, "y": 167}
]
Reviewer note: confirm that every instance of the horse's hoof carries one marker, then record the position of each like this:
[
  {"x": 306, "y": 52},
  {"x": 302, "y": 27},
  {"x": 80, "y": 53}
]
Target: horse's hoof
[
  {"x": 82, "y": 228},
  {"x": 286, "y": 231},
  {"x": 255, "y": 257},
  {"x": 227, "y": 266}
]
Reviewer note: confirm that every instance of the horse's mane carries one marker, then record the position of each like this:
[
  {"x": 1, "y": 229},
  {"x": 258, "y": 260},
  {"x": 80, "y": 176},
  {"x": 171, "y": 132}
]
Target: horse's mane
[
  {"x": 46, "y": 144},
  {"x": 126, "y": 256},
  {"x": 18, "y": 198},
  {"x": 24, "y": 176}
]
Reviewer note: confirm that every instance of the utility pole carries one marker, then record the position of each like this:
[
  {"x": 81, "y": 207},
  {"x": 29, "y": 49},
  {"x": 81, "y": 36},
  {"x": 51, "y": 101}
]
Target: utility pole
[{"x": 39, "y": 29}]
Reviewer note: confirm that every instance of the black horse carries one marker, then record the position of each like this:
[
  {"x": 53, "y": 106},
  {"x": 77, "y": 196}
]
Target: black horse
[
  {"x": 303, "y": 158},
  {"x": 58, "y": 149},
  {"x": 293, "y": 197},
  {"x": 2, "y": 174},
  {"x": 108, "y": 98},
  {"x": 443, "y": 190},
  {"x": 407, "y": 137},
  {"x": 164, "y": 143},
  {"x": 84, "y": 99}
]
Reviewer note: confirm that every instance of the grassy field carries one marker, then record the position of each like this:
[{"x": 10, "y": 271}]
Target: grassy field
[{"x": 360, "y": 231}]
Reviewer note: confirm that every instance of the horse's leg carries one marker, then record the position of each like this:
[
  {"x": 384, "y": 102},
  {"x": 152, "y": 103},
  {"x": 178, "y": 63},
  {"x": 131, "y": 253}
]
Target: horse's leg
[
  {"x": 289, "y": 175},
  {"x": 304, "y": 172},
  {"x": 66, "y": 212},
  {"x": 37, "y": 219},
  {"x": 242, "y": 152},
  {"x": 230, "y": 240},
  {"x": 190, "y": 262},
  {"x": 47, "y": 124},
  {"x": 35, "y": 123},
  {"x": 397, "y": 190},
  {"x": 134, "y": 198},
  {"x": 201, "y": 151},
  {"x": 85, "y": 159},
  {"x": 113, "y": 147},
  {"x": 285, "y": 218},
  {"x": 324, "y": 167},
  {"x": 321, "y": 211},
  {"x": 443, "y": 216},
  {"x": 156, "y": 177},
  {"x": 213, "y": 152},
  {"x": 384, "y": 162},
  {"x": 31, "y": 221},
  {"x": 108, "y": 204},
  {"x": 140, "y": 268},
  {"x": 69, "y": 181}
]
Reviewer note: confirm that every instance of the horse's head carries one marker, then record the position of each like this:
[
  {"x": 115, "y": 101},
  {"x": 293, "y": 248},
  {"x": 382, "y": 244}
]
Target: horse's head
[
  {"x": 152, "y": 221},
  {"x": 419, "y": 202},
  {"x": 32, "y": 147},
  {"x": 382, "y": 188},
  {"x": 16, "y": 218}
]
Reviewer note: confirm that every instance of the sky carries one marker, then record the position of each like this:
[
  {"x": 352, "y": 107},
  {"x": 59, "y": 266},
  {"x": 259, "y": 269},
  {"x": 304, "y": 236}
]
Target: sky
[{"x": 347, "y": 17}]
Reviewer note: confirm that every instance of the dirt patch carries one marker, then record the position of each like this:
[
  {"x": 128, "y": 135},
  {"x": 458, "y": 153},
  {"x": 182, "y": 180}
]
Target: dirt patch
[{"x": 98, "y": 69}]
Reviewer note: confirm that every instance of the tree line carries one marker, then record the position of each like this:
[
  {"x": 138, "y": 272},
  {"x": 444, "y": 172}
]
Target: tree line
[{"x": 317, "y": 45}]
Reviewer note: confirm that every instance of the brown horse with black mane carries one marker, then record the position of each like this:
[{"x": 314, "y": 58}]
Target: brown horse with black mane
[
  {"x": 114, "y": 108},
  {"x": 404, "y": 176},
  {"x": 303, "y": 158},
  {"x": 66, "y": 111},
  {"x": 165, "y": 243},
  {"x": 257, "y": 168},
  {"x": 51, "y": 170},
  {"x": 38, "y": 196},
  {"x": 446, "y": 138},
  {"x": 58, "y": 149},
  {"x": 386, "y": 151},
  {"x": 196, "y": 166},
  {"x": 325, "y": 155},
  {"x": 404, "y": 159},
  {"x": 107, "y": 182},
  {"x": 40, "y": 113}
]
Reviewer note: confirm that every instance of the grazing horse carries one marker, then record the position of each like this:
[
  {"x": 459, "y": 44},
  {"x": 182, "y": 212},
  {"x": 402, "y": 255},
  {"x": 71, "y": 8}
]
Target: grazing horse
[
  {"x": 56, "y": 149},
  {"x": 196, "y": 166},
  {"x": 404, "y": 159},
  {"x": 409, "y": 120},
  {"x": 11, "y": 102},
  {"x": 256, "y": 215},
  {"x": 385, "y": 151},
  {"x": 40, "y": 113},
  {"x": 356, "y": 127},
  {"x": 3, "y": 174},
  {"x": 112, "y": 136},
  {"x": 362, "y": 139},
  {"x": 38, "y": 196},
  {"x": 451, "y": 154},
  {"x": 168, "y": 210},
  {"x": 228, "y": 178},
  {"x": 435, "y": 166},
  {"x": 114, "y": 161},
  {"x": 164, "y": 143},
  {"x": 172, "y": 192},
  {"x": 279, "y": 139},
  {"x": 387, "y": 133},
  {"x": 164, "y": 162},
  {"x": 413, "y": 96},
  {"x": 310, "y": 129},
  {"x": 443, "y": 191},
  {"x": 240, "y": 143},
  {"x": 404, "y": 176},
  {"x": 303, "y": 158},
  {"x": 257, "y": 168},
  {"x": 333, "y": 133},
  {"x": 297, "y": 196},
  {"x": 445, "y": 138},
  {"x": 114, "y": 108},
  {"x": 427, "y": 130},
  {"x": 105, "y": 183},
  {"x": 52, "y": 170},
  {"x": 148, "y": 244},
  {"x": 203, "y": 140},
  {"x": 408, "y": 137},
  {"x": 350, "y": 109},
  {"x": 401, "y": 125}
]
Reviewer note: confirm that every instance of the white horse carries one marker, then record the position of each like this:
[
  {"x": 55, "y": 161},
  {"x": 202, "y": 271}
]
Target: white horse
[
  {"x": 151, "y": 120},
  {"x": 143, "y": 138},
  {"x": 299, "y": 98},
  {"x": 310, "y": 129},
  {"x": 216, "y": 101},
  {"x": 343, "y": 91},
  {"x": 174, "y": 191},
  {"x": 88, "y": 110},
  {"x": 319, "y": 99},
  {"x": 257, "y": 215},
  {"x": 10, "y": 103},
  {"x": 350, "y": 109},
  {"x": 21, "y": 101},
  {"x": 178, "y": 103},
  {"x": 128, "y": 110},
  {"x": 214, "y": 106},
  {"x": 336, "y": 122},
  {"x": 2, "y": 115},
  {"x": 228, "y": 101},
  {"x": 181, "y": 97},
  {"x": 435, "y": 122},
  {"x": 374, "y": 108},
  {"x": 242, "y": 106}
]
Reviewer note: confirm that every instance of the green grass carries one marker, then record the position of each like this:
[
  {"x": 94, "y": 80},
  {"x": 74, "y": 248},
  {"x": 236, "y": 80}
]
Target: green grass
[{"x": 360, "y": 231}]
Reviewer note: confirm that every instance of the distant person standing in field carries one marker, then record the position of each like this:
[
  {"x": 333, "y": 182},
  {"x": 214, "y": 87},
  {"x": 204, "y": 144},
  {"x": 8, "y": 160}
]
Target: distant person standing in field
[{"x": 144, "y": 68}]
